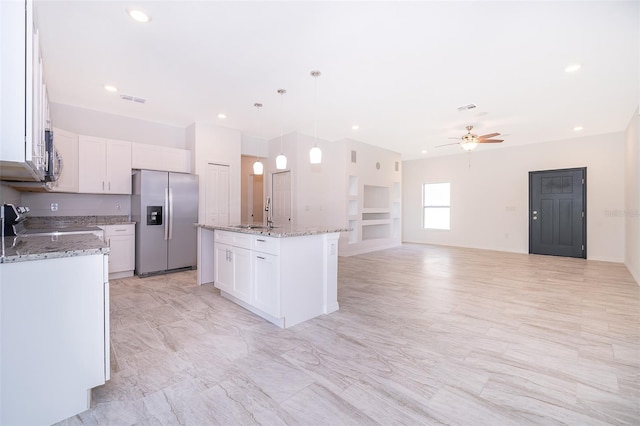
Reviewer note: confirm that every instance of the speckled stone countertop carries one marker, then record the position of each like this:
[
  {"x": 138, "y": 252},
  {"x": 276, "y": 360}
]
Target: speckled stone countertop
[
  {"x": 279, "y": 232},
  {"x": 22, "y": 249},
  {"x": 67, "y": 221}
]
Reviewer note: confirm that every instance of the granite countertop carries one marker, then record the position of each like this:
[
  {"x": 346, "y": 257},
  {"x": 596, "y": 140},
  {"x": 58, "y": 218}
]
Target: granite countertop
[
  {"x": 21, "y": 249},
  {"x": 75, "y": 221},
  {"x": 278, "y": 232}
]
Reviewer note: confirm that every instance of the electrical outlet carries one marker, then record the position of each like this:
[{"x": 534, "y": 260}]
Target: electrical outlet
[{"x": 54, "y": 207}]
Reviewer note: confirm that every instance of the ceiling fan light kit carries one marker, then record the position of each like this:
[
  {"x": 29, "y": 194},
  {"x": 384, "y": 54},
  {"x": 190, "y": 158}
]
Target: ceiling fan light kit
[{"x": 470, "y": 141}]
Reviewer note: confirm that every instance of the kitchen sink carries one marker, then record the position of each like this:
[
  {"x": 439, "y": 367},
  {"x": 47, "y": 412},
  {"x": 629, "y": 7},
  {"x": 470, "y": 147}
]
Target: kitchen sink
[{"x": 248, "y": 226}]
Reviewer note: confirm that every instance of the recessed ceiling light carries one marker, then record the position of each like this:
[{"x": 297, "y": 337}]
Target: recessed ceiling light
[
  {"x": 578, "y": 128},
  {"x": 110, "y": 88},
  {"x": 222, "y": 116},
  {"x": 355, "y": 127},
  {"x": 573, "y": 68},
  {"x": 138, "y": 15},
  {"x": 424, "y": 151}
]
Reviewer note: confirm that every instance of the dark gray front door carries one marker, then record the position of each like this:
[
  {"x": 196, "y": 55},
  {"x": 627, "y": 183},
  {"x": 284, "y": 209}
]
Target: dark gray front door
[{"x": 557, "y": 212}]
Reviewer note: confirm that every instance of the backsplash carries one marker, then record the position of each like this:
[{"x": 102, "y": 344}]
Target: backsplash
[{"x": 40, "y": 204}]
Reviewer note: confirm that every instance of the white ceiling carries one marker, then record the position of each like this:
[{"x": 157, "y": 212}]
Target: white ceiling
[{"x": 399, "y": 70}]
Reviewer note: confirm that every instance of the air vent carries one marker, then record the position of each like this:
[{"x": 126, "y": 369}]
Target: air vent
[
  {"x": 467, "y": 107},
  {"x": 133, "y": 99}
]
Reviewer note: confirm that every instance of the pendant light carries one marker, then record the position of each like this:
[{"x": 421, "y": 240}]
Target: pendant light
[
  {"x": 258, "y": 168},
  {"x": 281, "y": 160},
  {"x": 315, "y": 154}
]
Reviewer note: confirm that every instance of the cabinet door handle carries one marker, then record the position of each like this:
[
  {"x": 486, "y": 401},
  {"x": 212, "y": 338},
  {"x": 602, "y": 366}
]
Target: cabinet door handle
[
  {"x": 109, "y": 185},
  {"x": 103, "y": 185},
  {"x": 260, "y": 257},
  {"x": 261, "y": 240}
]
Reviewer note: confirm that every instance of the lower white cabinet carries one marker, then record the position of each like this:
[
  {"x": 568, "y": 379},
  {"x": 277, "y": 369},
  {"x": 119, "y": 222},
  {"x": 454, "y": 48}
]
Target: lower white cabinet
[
  {"x": 122, "y": 243},
  {"x": 266, "y": 290},
  {"x": 55, "y": 337},
  {"x": 285, "y": 280},
  {"x": 233, "y": 270}
]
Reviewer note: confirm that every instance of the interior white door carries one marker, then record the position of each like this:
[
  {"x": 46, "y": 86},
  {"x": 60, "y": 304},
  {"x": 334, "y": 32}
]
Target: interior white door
[
  {"x": 217, "y": 194},
  {"x": 281, "y": 197}
]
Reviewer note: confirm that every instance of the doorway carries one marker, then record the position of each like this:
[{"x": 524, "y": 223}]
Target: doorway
[
  {"x": 558, "y": 212},
  {"x": 281, "y": 197}
]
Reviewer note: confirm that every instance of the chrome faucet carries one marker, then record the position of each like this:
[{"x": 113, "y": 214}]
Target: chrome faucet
[{"x": 269, "y": 210}]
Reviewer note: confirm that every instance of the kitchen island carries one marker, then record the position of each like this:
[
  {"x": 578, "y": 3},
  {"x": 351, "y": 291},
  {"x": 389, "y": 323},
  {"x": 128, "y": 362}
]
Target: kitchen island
[
  {"x": 54, "y": 308},
  {"x": 286, "y": 275}
]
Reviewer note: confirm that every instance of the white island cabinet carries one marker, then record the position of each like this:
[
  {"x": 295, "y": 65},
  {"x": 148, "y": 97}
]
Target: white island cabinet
[
  {"x": 285, "y": 276},
  {"x": 55, "y": 336}
]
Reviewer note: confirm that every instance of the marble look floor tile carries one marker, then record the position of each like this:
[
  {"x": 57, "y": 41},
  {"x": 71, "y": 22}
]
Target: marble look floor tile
[
  {"x": 134, "y": 339},
  {"x": 161, "y": 315},
  {"x": 424, "y": 335},
  {"x": 316, "y": 405}
]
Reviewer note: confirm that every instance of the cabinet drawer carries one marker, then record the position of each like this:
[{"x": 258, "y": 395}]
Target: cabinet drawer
[
  {"x": 115, "y": 230},
  {"x": 266, "y": 244},
  {"x": 236, "y": 239}
]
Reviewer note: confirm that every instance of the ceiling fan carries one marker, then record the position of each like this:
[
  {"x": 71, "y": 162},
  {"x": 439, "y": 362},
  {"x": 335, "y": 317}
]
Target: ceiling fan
[{"x": 470, "y": 141}]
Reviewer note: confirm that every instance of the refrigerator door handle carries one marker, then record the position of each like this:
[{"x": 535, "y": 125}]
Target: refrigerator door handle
[
  {"x": 170, "y": 213},
  {"x": 166, "y": 209}
]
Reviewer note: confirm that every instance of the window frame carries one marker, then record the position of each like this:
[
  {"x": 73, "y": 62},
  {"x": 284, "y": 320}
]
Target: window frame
[{"x": 425, "y": 206}]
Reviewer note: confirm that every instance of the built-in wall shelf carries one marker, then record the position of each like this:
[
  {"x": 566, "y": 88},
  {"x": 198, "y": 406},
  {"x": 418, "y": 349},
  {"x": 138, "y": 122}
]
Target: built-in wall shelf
[
  {"x": 372, "y": 204},
  {"x": 374, "y": 231},
  {"x": 353, "y": 186},
  {"x": 375, "y": 216},
  {"x": 375, "y": 197}
]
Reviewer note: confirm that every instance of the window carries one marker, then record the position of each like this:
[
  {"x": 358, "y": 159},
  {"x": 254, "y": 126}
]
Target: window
[{"x": 436, "y": 204}]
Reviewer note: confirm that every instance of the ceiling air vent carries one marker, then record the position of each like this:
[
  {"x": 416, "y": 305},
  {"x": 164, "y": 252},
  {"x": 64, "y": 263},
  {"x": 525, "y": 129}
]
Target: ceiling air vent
[
  {"x": 467, "y": 107},
  {"x": 133, "y": 99}
]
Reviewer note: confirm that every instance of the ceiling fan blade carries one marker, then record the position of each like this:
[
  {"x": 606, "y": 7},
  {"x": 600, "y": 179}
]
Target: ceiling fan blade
[
  {"x": 489, "y": 136},
  {"x": 454, "y": 138},
  {"x": 446, "y": 144},
  {"x": 490, "y": 140}
]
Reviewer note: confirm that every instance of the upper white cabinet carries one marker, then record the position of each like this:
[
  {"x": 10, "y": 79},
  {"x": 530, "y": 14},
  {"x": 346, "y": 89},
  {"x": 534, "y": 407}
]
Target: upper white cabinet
[
  {"x": 153, "y": 157},
  {"x": 104, "y": 166},
  {"x": 66, "y": 144},
  {"x": 24, "y": 102}
]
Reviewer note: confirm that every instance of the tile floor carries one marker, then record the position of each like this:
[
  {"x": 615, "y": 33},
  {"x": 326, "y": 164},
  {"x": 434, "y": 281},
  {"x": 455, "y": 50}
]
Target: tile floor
[{"x": 424, "y": 335}]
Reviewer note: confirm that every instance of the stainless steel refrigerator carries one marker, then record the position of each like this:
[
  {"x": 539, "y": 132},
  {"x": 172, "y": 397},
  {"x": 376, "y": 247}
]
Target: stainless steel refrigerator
[{"x": 164, "y": 206}]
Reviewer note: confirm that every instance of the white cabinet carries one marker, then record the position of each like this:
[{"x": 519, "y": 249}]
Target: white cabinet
[
  {"x": 266, "y": 290},
  {"x": 153, "y": 157},
  {"x": 104, "y": 166},
  {"x": 223, "y": 267},
  {"x": 289, "y": 280},
  {"x": 66, "y": 144},
  {"x": 24, "y": 101},
  {"x": 233, "y": 265},
  {"x": 55, "y": 343},
  {"x": 122, "y": 243}
]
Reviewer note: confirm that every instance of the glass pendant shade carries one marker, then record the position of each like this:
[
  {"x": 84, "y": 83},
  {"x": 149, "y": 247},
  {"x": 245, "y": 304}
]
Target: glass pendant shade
[
  {"x": 468, "y": 146},
  {"x": 315, "y": 155},
  {"x": 281, "y": 162},
  {"x": 258, "y": 168}
]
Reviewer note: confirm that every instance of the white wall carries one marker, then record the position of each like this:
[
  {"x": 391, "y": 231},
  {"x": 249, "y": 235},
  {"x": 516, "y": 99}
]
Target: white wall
[
  {"x": 101, "y": 124},
  {"x": 490, "y": 199},
  {"x": 209, "y": 143},
  {"x": 632, "y": 197}
]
